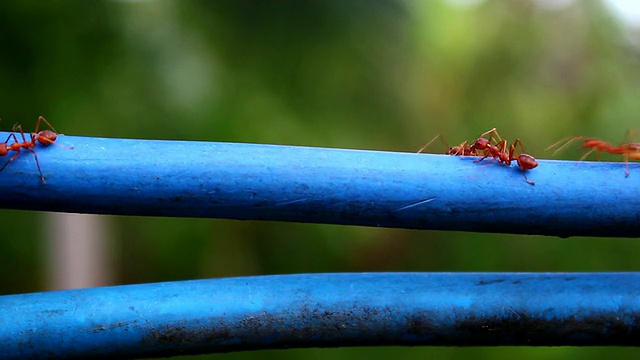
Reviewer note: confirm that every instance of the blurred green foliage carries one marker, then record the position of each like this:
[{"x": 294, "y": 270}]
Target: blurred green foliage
[{"x": 386, "y": 74}]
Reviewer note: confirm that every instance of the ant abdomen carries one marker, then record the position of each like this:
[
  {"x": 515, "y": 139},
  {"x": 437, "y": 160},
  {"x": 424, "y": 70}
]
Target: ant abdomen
[{"x": 526, "y": 162}]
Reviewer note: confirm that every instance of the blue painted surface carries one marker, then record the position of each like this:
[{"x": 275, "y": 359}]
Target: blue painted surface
[
  {"x": 337, "y": 186},
  {"x": 323, "y": 310}
]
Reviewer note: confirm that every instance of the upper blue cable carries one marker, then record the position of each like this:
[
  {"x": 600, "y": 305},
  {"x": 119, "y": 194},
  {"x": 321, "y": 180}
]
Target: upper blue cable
[{"x": 336, "y": 186}]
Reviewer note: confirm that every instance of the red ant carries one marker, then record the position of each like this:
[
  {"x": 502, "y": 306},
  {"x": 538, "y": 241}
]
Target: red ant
[
  {"x": 461, "y": 150},
  {"x": 17, "y": 146},
  {"x": 627, "y": 150},
  {"x": 499, "y": 152},
  {"x": 44, "y": 137}
]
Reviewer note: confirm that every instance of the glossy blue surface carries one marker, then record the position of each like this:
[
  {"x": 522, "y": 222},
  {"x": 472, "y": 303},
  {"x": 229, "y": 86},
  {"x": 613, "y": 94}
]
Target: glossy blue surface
[
  {"x": 323, "y": 310},
  {"x": 336, "y": 186}
]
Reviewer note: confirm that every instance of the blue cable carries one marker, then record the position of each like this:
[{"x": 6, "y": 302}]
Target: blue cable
[
  {"x": 335, "y": 186},
  {"x": 323, "y": 310}
]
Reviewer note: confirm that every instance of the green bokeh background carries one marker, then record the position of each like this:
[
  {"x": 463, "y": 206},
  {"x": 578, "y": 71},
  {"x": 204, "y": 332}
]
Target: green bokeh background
[{"x": 384, "y": 75}]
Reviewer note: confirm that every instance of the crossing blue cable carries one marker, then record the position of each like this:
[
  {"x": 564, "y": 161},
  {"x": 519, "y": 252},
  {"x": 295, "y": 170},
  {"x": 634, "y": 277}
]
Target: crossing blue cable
[{"x": 321, "y": 185}]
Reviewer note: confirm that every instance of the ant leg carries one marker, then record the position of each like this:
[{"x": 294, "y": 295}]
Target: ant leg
[
  {"x": 633, "y": 149},
  {"x": 492, "y": 139},
  {"x": 527, "y": 180},
  {"x": 11, "y": 135},
  {"x": 633, "y": 153},
  {"x": 502, "y": 145},
  {"x": 626, "y": 165},
  {"x": 492, "y": 132},
  {"x": 35, "y": 156},
  {"x": 461, "y": 148},
  {"x": 588, "y": 153},
  {"x": 502, "y": 151},
  {"x": 630, "y": 134},
  {"x": 518, "y": 142},
  {"x": 18, "y": 127},
  {"x": 512, "y": 150},
  {"x": 495, "y": 132},
  {"x": 486, "y": 155},
  {"x": 598, "y": 154},
  {"x": 40, "y": 119},
  {"x": 10, "y": 160},
  {"x": 488, "y": 132}
]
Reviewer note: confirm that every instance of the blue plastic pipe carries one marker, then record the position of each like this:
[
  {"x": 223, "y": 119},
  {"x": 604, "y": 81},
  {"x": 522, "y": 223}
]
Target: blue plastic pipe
[
  {"x": 335, "y": 186},
  {"x": 323, "y": 310}
]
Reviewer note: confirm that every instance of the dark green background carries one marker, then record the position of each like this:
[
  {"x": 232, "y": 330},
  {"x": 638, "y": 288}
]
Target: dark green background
[{"x": 384, "y": 75}]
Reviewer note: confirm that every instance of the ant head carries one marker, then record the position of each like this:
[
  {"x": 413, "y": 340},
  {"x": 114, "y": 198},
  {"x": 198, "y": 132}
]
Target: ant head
[
  {"x": 527, "y": 162},
  {"x": 481, "y": 144},
  {"x": 46, "y": 137}
]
